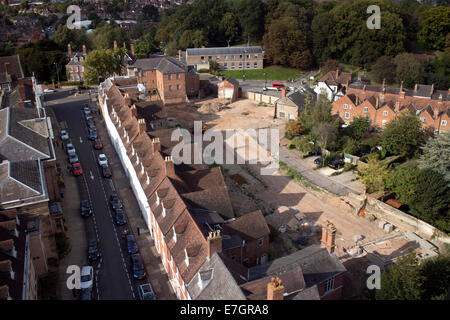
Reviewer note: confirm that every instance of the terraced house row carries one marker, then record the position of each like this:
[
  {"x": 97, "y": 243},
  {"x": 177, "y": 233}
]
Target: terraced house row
[
  {"x": 381, "y": 104},
  {"x": 207, "y": 252}
]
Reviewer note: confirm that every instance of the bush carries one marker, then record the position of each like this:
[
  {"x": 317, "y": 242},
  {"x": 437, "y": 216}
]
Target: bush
[{"x": 203, "y": 71}]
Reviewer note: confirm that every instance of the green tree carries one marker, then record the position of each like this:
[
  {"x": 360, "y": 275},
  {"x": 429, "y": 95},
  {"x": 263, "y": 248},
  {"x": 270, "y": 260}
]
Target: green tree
[
  {"x": 436, "y": 155},
  {"x": 103, "y": 63},
  {"x": 401, "y": 281},
  {"x": 384, "y": 68},
  {"x": 325, "y": 134},
  {"x": 142, "y": 49},
  {"x": 408, "y": 69},
  {"x": 77, "y": 38},
  {"x": 358, "y": 127},
  {"x": 432, "y": 197},
  {"x": 373, "y": 175},
  {"x": 192, "y": 39},
  {"x": 251, "y": 18},
  {"x": 403, "y": 135},
  {"x": 352, "y": 146},
  {"x": 436, "y": 272},
  {"x": 403, "y": 181},
  {"x": 293, "y": 128},
  {"x": 229, "y": 27},
  {"x": 150, "y": 12},
  {"x": 435, "y": 27},
  {"x": 104, "y": 37}
]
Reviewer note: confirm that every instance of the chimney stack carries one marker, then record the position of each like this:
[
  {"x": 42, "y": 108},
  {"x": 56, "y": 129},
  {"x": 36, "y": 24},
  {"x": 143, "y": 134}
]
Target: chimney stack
[
  {"x": 170, "y": 167},
  {"x": 384, "y": 85},
  {"x": 142, "y": 126},
  {"x": 84, "y": 50},
  {"x": 377, "y": 103},
  {"x": 69, "y": 50},
  {"x": 283, "y": 93},
  {"x": 179, "y": 55},
  {"x": 132, "y": 49},
  {"x": 124, "y": 45},
  {"x": 275, "y": 290},
  {"x": 329, "y": 236},
  {"x": 364, "y": 88},
  {"x": 115, "y": 44},
  {"x": 133, "y": 110},
  {"x": 415, "y": 88},
  {"x": 397, "y": 106},
  {"x": 432, "y": 89},
  {"x": 401, "y": 87},
  {"x": 156, "y": 145},
  {"x": 214, "y": 243},
  {"x": 337, "y": 73}
]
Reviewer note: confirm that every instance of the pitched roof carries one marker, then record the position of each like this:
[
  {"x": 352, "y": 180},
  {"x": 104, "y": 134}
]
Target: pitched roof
[
  {"x": 214, "y": 281},
  {"x": 335, "y": 78},
  {"x": 21, "y": 179},
  {"x": 161, "y": 63},
  {"x": 12, "y": 66},
  {"x": 251, "y": 226},
  {"x": 223, "y": 50}
]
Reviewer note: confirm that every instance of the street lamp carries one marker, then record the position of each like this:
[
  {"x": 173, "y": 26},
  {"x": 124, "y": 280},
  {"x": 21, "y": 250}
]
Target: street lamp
[
  {"x": 245, "y": 54},
  {"x": 57, "y": 72}
]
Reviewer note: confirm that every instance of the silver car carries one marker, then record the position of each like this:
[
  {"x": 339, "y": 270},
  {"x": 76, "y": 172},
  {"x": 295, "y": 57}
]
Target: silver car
[
  {"x": 70, "y": 149},
  {"x": 73, "y": 158},
  {"x": 64, "y": 135}
]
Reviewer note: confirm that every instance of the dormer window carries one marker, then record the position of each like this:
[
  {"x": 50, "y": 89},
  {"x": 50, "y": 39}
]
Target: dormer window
[{"x": 186, "y": 258}]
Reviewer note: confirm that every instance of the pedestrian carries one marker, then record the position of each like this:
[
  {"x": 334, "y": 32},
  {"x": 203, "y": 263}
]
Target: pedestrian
[{"x": 57, "y": 142}]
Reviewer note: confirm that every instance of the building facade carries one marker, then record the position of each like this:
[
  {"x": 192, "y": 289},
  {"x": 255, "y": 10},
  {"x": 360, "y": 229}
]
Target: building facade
[
  {"x": 227, "y": 58},
  {"x": 75, "y": 68}
]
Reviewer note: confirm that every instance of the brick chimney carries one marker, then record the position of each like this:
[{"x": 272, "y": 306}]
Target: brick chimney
[
  {"x": 283, "y": 93},
  {"x": 397, "y": 106},
  {"x": 377, "y": 103},
  {"x": 169, "y": 166},
  {"x": 275, "y": 290},
  {"x": 360, "y": 75},
  {"x": 156, "y": 145},
  {"x": 133, "y": 110},
  {"x": 142, "y": 126},
  {"x": 132, "y": 49},
  {"x": 432, "y": 89},
  {"x": 179, "y": 55},
  {"x": 115, "y": 44},
  {"x": 124, "y": 45},
  {"x": 415, "y": 88},
  {"x": 384, "y": 85},
  {"x": 69, "y": 50},
  {"x": 401, "y": 87},
  {"x": 329, "y": 236},
  {"x": 337, "y": 73},
  {"x": 364, "y": 88},
  {"x": 214, "y": 243},
  {"x": 84, "y": 50}
]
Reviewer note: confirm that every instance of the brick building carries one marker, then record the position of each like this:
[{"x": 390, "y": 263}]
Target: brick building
[
  {"x": 334, "y": 84},
  {"x": 290, "y": 106},
  {"x": 228, "y": 89},
  {"x": 167, "y": 77},
  {"x": 206, "y": 251},
  {"x": 74, "y": 67},
  {"x": 381, "y": 104},
  {"x": 227, "y": 58}
]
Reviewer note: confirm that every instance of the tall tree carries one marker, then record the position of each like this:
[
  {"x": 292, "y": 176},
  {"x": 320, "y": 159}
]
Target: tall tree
[
  {"x": 401, "y": 281},
  {"x": 325, "y": 134},
  {"x": 436, "y": 155},
  {"x": 403, "y": 135},
  {"x": 408, "y": 69},
  {"x": 384, "y": 69},
  {"x": 435, "y": 26},
  {"x": 102, "y": 64},
  {"x": 373, "y": 175},
  {"x": 104, "y": 37},
  {"x": 251, "y": 17}
]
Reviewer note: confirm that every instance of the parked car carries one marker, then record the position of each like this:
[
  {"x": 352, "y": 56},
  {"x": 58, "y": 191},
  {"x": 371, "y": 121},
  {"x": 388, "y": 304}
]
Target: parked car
[
  {"x": 49, "y": 90},
  {"x": 70, "y": 149},
  {"x": 91, "y": 124},
  {"x": 336, "y": 164},
  {"x": 102, "y": 160},
  {"x": 64, "y": 135},
  {"x": 86, "y": 109},
  {"x": 120, "y": 217},
  {"x": 86, "y": 294},
  {"x": 98, "y": 145},
  {"x": 115, "y": 202},
  {"x": 87, "y": 277},
  {"x": 93, "y": 251},
  {"x": 318, "y": 160},
  {"x": 73, "y": 158},
  {"x": 88, "y": 117},
  {"x": 145, "y": 292},
  {"x": 93, "y": 134},
  {"x": 278, "y": 85},
  {"x": 106, "y": 171},
  {"x": 76, "y": 169},
  {"x": 136, "y": 266},
  {"x": 131, "y": 244},
  {"x": 86, "y": 210}
]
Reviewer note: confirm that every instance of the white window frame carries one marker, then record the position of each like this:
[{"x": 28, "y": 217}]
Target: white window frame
[
  {"x": 385, "y": 113},
  {"x": 366, "y": 109},
  {"x": 347, "y": 115},
  {"x": 329, "y": 284},
  {"x": 444, "y": 123}
]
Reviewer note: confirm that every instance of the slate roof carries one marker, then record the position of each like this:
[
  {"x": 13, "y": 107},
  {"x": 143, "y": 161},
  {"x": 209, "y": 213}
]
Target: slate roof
[
  {"x": 251, "y": 226},
  {"x": 20, "y": 180},
  {"x": 223, "y": 50},
  {"x": 218, "y": 283},
  {"x": 163, "y": 64},
  {"x": 28, "y": 172},
  {"x": 297, "y": 98},
  {"x": 316, "y": 264},
  {"x": 333, "y": 79}
]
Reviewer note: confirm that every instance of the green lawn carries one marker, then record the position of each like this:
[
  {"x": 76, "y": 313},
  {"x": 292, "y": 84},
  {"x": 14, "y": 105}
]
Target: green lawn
[{"x": 273, "y": 73}]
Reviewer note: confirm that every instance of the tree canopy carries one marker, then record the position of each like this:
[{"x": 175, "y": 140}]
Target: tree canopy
[
  {"x": 102, "y": 64},
  {"x": 436, "y": 155}
]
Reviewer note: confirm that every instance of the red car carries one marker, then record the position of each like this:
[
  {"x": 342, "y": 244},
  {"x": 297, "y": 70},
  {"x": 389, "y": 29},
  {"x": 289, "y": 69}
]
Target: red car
[
  {"x": 106, "y": 171},
  {"x": 98, "y": 144},
  {"x": 76, "y": 169}
]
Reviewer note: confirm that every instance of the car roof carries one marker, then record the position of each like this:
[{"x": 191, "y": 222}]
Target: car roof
[
  {"x": 130, "y": 237},
  {"x": 84, "y": 201},
  {"x": 93, "y": 241},
  {"x": 86, "y": 270}
]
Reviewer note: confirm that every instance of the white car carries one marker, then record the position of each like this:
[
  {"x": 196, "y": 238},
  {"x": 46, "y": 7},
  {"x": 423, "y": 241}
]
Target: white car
[
  {"x": 70, "y": 149},
  {"x": 49, "y": 90},
  {"x": 87, "y": 277},
  {"x": 64, "y": 135},
  {"x": 102, "y": 160},
  {"x": 146, "y": 292}
]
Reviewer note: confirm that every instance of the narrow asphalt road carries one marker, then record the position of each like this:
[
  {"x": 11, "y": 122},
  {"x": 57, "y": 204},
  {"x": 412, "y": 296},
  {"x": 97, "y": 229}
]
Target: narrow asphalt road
[{"x": 114, "y": 279}]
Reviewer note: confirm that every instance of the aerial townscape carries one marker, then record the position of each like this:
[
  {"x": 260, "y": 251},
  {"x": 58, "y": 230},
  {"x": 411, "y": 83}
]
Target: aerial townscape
[{"x": 213, "y": 150}]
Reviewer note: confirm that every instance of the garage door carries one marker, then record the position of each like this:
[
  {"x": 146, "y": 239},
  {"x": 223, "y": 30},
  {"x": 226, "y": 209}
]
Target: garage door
[{"x": 228, "y": 93}]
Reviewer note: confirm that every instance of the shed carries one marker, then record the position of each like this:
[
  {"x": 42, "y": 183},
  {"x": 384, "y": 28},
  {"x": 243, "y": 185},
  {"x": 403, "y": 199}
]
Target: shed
[{"x": 228, "y": 89}]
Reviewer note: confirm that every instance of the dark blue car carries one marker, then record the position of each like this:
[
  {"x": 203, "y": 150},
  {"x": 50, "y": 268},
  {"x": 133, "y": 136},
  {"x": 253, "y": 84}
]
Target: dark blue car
[
  {"x": 93, "y": 135},
  {"x": 131, "y": 244},
  {"x": 137, "y": 267},
  {"x": 120, "y": 217}
]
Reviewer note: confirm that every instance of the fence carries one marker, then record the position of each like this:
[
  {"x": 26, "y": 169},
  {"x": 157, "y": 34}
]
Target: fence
[{"x": 259, "y": 97}]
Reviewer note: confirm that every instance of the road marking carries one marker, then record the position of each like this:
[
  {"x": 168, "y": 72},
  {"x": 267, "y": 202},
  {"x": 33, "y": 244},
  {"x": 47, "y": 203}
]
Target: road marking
[
  {"x": 81, "y": 140},
  {"x": 92, "y": 176}
]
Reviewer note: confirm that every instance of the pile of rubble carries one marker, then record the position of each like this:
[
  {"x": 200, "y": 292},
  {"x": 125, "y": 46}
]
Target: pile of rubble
[{"x": 211, "y": 107}]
